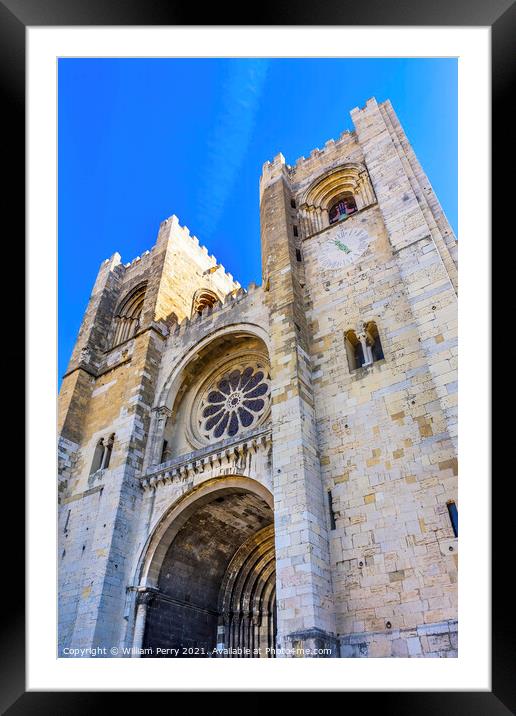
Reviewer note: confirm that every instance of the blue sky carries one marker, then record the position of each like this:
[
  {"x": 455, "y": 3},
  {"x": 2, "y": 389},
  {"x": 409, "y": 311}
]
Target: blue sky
[{"x": 141, "y": 139}]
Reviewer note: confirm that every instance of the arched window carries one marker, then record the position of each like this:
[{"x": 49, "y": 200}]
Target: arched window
[
  {"x": 102, "y": 454},
  {"x": 202, "y": 299},
  {"x": 373, "y": 341},
  {"x": 165, "y": 452},
  {"x": 98, "y": 456},
  {"x": 353, "y": 350},
  {"x": 364, "y": 348},
  {"x": 127, "y": 319},
  {"x": 108, "y": 451},
  {"x": 342, "y": 208},
  {"x": 332, "y": 197}
]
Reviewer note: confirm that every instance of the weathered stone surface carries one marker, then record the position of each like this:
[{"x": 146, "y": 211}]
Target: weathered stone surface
[{"x": 350, "y": 466}]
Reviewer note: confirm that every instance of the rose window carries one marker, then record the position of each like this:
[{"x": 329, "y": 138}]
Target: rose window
[{"x": 237, "y": 400}]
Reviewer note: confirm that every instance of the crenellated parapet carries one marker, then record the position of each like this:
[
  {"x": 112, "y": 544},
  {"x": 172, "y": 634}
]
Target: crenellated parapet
[
  {"x": 235, "y": 300},
  {"x": 139, "y": 262},
  {"x": 190, "y": 242},
  {"x": 331, "y": 148}
]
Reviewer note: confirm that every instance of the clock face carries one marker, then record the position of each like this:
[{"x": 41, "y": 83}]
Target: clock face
[{"x": 343, "y": 246}]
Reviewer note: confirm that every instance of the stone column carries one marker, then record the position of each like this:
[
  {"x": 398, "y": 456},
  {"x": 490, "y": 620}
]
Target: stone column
[
  {"x": 107, "y": 453},
  {"x": 159, "y": 417},
  {"x": 143, "y": 599},
  {"x": 366, "y": 349},
  {"x": 222, "y": 634}
]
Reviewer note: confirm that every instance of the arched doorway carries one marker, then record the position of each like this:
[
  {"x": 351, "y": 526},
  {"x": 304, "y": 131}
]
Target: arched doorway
[
  {"x": 247, "y": 598},
  {"x": 214, "y": 587}
]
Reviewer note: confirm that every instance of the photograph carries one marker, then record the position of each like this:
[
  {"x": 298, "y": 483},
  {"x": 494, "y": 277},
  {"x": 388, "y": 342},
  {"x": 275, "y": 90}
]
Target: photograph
[
  {"x": 257, "y": 275},
  {"x": 239, "y": 236}
]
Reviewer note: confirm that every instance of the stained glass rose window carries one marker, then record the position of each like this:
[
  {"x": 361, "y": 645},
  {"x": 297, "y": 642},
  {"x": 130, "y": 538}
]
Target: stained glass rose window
[{"x": 236, "y": 400}]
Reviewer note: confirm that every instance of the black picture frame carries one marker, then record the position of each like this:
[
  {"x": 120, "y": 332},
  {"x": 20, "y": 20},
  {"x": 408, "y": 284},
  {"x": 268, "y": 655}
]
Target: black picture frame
[{"x": 15, "y": 16}]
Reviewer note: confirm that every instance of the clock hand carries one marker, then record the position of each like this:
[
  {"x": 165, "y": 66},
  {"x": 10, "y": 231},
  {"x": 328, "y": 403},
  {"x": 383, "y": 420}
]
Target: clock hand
[{"x": 342, "y": 246}]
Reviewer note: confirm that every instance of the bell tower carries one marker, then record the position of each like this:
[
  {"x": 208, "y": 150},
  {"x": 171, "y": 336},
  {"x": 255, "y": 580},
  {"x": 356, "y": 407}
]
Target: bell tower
[
  {"x": 360, "y": 270},
  {"x": 303, "y": 582}
]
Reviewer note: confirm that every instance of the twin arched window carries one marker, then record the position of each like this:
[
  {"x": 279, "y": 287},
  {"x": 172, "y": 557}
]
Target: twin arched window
[
  {"x": 363, "y": 348},
  {"x": 128, "y": 316},
  {"x": 102, "y": 454}
]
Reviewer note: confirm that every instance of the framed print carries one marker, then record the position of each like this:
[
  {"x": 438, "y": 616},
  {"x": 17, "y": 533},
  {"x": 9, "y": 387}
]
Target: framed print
[{"x": 251, "y": 235}]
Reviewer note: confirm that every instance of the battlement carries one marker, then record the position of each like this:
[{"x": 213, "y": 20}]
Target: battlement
[
  {"x": 173, "y": 228},
  {"x": 139, "y": 259},
  {"x": 370, "y": 104},
  {"x": 126, "y": 270},
  {"x": 233, "y": 299},
  {"x": 305, "y": 163}
]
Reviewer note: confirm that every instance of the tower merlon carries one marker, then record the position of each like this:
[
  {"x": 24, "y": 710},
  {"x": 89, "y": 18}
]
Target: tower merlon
[
  {"x": 370, "y": 104},
  {"x": 315, "y": 156},
  {"x": 113, "y": 260},
  {"x": 108, "y": 266},
  {"x": 171, "y": 229},
  {"x": 271, "y": 170}
]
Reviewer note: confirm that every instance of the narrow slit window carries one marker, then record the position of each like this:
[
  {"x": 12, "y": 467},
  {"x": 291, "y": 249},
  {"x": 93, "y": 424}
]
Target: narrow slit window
[
  {"x": 298, "y": 255},
  {"x": 333, "y": 524},
  {"x": 293, "y": 203},
  {"x": 296, "y": 233},
  {"x": 454, "y": 517}
]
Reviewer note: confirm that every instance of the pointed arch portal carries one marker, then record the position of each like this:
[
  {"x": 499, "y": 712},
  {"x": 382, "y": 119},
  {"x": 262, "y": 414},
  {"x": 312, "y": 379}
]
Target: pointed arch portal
[{"x": 215, "y": 585}]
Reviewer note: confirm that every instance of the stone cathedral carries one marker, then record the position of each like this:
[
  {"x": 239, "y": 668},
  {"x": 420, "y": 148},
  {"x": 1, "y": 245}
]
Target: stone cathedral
[{"x": 272, "y": 471}]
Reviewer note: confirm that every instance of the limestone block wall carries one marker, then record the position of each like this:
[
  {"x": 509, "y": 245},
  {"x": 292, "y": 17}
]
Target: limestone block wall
[
  {"x": 304, "y": 592},
  {"x": 361, "y": 462},
  {"x": 245, "y": 456},
  {"x": 386, "y": 434},
  {"x": 100, "y": 511},
  {"x": 110, "y": 391},
  {"x": 422, "y": 188},
  {"x": 427, "y": 640},
  {"x": 427, "y": 266},
  {"x": 66, "y": 459}
]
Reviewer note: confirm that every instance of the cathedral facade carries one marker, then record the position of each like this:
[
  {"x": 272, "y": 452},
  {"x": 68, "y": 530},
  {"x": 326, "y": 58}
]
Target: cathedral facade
[{"x": 272, "y": 471}]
